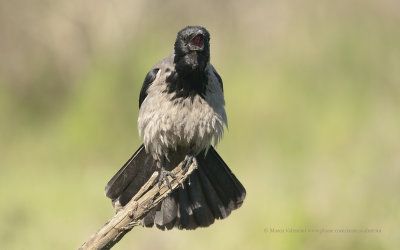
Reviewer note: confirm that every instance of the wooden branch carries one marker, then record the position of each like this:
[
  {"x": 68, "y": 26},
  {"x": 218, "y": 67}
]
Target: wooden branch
[{"x": 130, "y": 215}]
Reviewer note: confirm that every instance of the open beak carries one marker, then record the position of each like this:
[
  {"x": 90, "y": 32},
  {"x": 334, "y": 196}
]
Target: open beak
[{"x": 197, "y": 42}]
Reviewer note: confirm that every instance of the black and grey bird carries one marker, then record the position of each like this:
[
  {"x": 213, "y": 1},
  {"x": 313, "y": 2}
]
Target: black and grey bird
[{"x": 181, "y": 112}]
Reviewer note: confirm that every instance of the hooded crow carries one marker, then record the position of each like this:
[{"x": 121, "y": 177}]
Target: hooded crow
[{"x": 181, "y": 113}]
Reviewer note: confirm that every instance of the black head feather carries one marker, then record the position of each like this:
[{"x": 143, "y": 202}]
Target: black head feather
[
  {"x": 192, "y": 54},
  {"x": 192, "y": 49}
]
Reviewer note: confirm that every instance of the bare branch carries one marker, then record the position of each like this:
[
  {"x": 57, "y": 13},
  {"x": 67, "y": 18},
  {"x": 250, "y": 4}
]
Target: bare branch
[{"x": 130, "y": 215}]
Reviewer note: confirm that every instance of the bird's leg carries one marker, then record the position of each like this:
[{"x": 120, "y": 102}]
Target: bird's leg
[
  {"x": 189, "y": 160},
  {"x": 163, "y": 174}
]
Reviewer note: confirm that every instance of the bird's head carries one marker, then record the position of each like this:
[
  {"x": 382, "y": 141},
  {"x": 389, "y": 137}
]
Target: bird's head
[{"x": 192, "y": 48}]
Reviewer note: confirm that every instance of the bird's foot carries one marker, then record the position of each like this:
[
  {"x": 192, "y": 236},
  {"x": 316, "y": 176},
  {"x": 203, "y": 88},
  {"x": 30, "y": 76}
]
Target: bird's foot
[
  {"x": 163, "y": 175},
  {"x": 189, "y": 160}
]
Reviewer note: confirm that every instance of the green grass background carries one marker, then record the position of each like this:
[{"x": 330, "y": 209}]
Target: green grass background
[{"x": 312, "y": 93}]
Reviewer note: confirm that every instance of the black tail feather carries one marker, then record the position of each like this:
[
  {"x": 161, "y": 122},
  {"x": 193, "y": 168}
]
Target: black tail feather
[
  {"x": 165, "y": 218},
  {"x": 229, "y": 189},
  {"x": 211, "y": 192},
  {"x": 186, "y": 220},
  {"x": 148, "y": 220},
  {"x": 131, "y": 177},
  {"x": 202, "y": 213},
  {"x": 213, "y": 201}
]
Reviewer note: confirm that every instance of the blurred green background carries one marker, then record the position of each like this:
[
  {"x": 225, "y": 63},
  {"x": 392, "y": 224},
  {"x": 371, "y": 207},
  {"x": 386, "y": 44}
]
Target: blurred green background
[{"x": 312, "y": 92}]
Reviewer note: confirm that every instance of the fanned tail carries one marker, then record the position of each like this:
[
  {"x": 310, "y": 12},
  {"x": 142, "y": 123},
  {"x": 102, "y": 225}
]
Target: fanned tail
[{"x": 211, "y": 192}]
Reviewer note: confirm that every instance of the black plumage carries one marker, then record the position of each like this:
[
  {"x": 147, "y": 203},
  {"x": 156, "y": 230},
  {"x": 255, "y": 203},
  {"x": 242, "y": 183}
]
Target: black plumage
[
  {"x": 211, "y": 192},
  {"x": 150, "y": 77},
  {"x": 219, "y": 79},
  {"x": 187, "y": 86}
]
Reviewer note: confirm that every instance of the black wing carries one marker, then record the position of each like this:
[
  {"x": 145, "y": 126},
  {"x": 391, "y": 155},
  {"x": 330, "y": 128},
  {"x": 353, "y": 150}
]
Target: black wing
[
  {"x": 219, "y": 79},
  {"x": 148, "y": 80}
]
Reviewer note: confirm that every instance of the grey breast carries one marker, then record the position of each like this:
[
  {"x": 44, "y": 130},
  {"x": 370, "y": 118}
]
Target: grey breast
[{"x": 167, "y": 124}]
